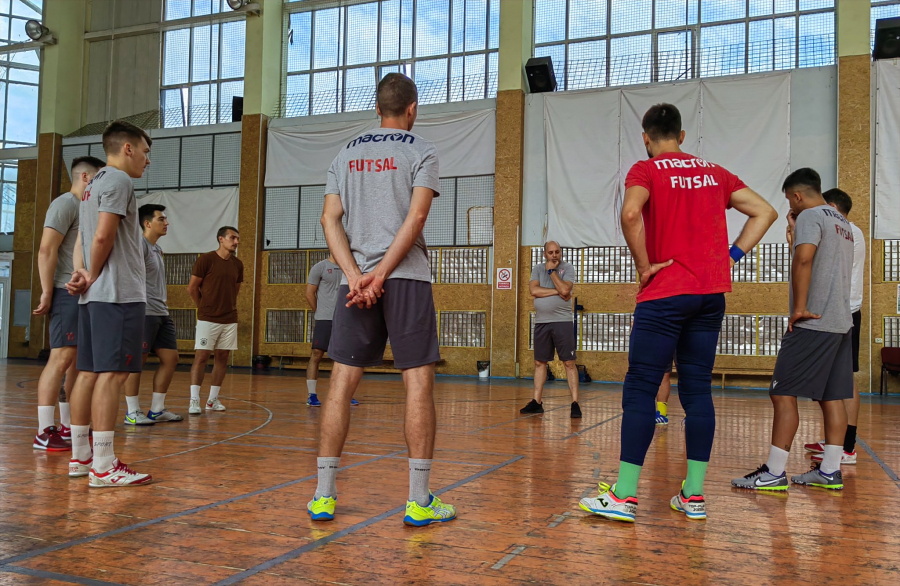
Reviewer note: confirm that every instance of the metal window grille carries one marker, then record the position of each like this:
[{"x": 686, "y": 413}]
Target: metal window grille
[
  {"x": 595, "y": 264},
  {"x": 310, "y": 325},
  {"x": 288, "y": 268},
  {"x": 315, "y": 257},
  {"x": 891, "y": 260},
  {"x": 335, "y": 53},
  {"x": 774, "y": 262},
  {"x": 614, "y": 43},
  {"x": 185, "y": 323},
  {"x": 604, "y": 332},
  {"x": 459, "y": 265},
  {"x": 531, "y": 330},
  {"x": 892, "y": 331},
  {"x": 771, "y": 329},
  {"x": 179, "y": 162},
  {"x": 285, "y": 326},
  {"x": 8, "y": 187},
  {"x": 882, "y": 9},
  {"x": 746, "y": 271},
  {"x": 738, "y": 335},
  {"x": 463, "y": 329},
  {"x": 179, "y": 267}
]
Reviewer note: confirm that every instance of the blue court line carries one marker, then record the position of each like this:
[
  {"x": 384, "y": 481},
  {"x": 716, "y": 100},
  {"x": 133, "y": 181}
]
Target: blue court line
[
  {"x": 82, "y": 540},
  {"x": 293, "y": 554},
  {"x": 887, "y": 469},
  {"x": 55, "y": 576}
]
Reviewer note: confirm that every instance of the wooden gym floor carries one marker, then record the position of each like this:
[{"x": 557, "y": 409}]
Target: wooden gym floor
[{"x": 228, "y": 504}]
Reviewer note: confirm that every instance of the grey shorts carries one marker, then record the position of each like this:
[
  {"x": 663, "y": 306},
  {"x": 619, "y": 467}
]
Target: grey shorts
[
  {"x": 405, "y": 312},
  {"x": 159, "y": 333},
  {"x": 559, "y": 336},
  {"x": 322, "y": 334},
  {"x": 63, "y": 319},
  {"x": 814, "y": 365},
  {"x": 111, "y": 336}
]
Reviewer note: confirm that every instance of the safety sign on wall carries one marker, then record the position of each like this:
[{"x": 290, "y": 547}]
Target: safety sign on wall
[{"x": 504, "y": 278}]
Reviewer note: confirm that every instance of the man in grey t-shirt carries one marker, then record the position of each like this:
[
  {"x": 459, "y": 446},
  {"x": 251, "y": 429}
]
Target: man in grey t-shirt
[
  {"x": 815, "y": 359},
  {"x": 383, "y": 181},
  {"x": 110, "y": 277},
  {"x": 55, "y": 268},
  {"x": 551, "y": 286},
  {"x": 159, "y": 329}
]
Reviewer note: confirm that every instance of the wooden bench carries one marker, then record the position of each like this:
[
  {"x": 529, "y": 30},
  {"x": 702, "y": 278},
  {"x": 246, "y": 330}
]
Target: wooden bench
[{"x": 726, "y": 371}]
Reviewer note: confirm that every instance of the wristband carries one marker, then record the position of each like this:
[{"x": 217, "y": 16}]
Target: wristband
[
  {"x": 736, "y": 253},
  {"x": 550, "y": 271}
]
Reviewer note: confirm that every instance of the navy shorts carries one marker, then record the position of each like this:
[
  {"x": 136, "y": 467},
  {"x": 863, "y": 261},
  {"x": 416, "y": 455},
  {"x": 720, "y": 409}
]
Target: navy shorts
[
  {"x": 559, "y": 336},
  {"x": 159, "y": 333},
  {"x": 322, "y": 334},
  {"x": 111, "y": 336},
  {"x": 63, "y": 319}
]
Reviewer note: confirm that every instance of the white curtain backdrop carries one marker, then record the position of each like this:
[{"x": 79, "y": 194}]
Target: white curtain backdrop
[
  {"x": 887, "y": 150},
  {"x": 194, "y": 217},
  {"x": 594, "y": 137},
  {"x": 301, "y": 155}
]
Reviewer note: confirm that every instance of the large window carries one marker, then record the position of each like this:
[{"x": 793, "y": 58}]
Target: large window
[
  {"x": 883, "y": 9},
  {"x": 202, "y": 66},
  {"x": 19, "y": 77},
  {"x": 335, "y": 56},
  {"x": 600, "y": 43}
]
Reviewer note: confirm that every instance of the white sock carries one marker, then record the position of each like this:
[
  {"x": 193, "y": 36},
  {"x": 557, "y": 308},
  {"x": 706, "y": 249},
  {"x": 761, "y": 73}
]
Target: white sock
[
  {"x": 81, "y": 443},
  {"x": 134, "y": 403},
  {"x": 195, "y": 392},
  {"x": 777, "y": 461},
  {"x": 65, "y": 415},
  {"x": 45, "y": 417},
  {"x": 419, "y": 473},
  {"x": 328, "y": 468},
  {"x": 311, "y": 386},
  {"x": 831, "y": 461},
  {"x": 104, "y": 455},
  {"x": 213, "y": 393},
  {"x": 158, "y": 404}
]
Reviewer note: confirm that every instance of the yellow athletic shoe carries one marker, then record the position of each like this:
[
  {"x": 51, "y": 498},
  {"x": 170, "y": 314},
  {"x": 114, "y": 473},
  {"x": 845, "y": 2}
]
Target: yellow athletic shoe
[
  {"x": 435, "y": 512},
  {"x": 322, "y": 508}
]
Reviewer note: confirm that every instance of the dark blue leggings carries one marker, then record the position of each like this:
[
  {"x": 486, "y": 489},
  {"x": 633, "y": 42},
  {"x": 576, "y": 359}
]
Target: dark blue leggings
[{"x": 688, "y": 327}]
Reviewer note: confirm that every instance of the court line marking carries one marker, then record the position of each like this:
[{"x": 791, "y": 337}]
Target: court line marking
[
  {"x": 508, "y": 557},
  {"x": 90, "y": 538},
  {"x": 559, "y": 519},
  {"x": 530, "y": 415},
  {"x": 590, "y": 427},
  {"x": 55, "y": 576},
  {"x": 887, "y": 469},
  {"x": 295, "y": 553}
]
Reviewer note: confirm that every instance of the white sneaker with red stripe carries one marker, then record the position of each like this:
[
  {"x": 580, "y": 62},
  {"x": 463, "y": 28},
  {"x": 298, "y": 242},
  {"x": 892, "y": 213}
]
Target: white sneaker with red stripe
[
  {"x": 816, "y": 448},
  {"x": 78, "y": 468},
  {"x": 119, "y": 475},
  {"x": 846, "y": 457}
]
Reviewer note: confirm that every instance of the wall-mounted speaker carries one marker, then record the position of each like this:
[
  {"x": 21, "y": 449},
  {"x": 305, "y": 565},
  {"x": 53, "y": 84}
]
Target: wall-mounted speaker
[
  {"x": 887, "y": 38},
  {"x": 539, "y": 71}
]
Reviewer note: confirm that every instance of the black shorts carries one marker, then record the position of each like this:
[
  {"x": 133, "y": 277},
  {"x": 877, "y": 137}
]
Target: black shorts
[
  {"x": 815, "y": 365},
  {"x": 857, "y": 319},
  {"x": 111, "y": 336},
  {"x": 63, "y": 319},
  {"x": 405, "y": 312},
  {"x": 159, "y": 333},
  {"x": 559, "y": 336},
  {"x": 322, "y": 334}
]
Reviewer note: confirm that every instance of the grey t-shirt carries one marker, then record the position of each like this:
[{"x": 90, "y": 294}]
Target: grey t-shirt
[
  {"x": 156, "y": 279},
  {"x": 122, "y": 278},
  {"x": 62, "y": 216},
  {"x": 553, "y": 309},
  {"x": 832, "y": 267},
  {"x": 327, "y": 277},
  {"x": 375, "y": 175}
]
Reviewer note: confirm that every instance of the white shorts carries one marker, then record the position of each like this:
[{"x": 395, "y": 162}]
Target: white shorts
[{"x": 213, "y": 336}]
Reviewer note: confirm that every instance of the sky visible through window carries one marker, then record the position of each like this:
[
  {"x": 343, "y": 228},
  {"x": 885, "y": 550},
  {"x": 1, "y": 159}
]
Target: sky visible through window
[{"x": 19, "y": 76}]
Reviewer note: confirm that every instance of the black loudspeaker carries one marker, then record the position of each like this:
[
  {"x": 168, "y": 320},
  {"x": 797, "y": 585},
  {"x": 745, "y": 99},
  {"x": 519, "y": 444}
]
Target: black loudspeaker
[
  {"x": 887, "y": 38},
  {"x": 237, "y": 108},
  {"x": 539, "y": 71}
]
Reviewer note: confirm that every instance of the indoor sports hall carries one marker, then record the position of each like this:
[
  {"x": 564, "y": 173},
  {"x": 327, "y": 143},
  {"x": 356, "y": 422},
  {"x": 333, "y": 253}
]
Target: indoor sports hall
[{"x": 289, "y": 208}]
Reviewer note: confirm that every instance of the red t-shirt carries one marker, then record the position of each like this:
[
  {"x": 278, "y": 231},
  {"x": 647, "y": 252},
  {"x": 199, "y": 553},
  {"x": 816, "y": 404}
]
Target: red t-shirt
[{"x": 684, "y": 220}]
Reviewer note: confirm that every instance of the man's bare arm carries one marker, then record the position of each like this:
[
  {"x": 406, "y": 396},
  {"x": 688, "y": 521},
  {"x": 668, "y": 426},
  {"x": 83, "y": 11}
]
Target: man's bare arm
[
  {"x": 537, "y": 291},
  {"x": 760, "y": 213},
  {"x": 194, "y": 289},
  {"x": 311, "y": 296},
  {"x": 48, "y": 256},
  {"x": 336, "y": 238}
]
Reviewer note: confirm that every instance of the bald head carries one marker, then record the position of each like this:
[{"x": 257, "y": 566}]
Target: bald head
[
  {"x": 551, "y": 244},
  {"x": 552, "y": 251}
]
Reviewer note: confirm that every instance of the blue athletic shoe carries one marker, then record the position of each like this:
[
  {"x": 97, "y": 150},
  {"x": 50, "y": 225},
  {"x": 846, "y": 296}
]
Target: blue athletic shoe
[
  {"x": 661, "y": 419},
  {"x": 313, "y": 400},
  {"x": 354, "y": 402}
]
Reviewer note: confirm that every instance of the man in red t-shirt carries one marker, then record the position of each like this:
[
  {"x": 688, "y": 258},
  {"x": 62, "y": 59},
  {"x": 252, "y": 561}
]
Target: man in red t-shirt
[{"x": 673, "y": 219}]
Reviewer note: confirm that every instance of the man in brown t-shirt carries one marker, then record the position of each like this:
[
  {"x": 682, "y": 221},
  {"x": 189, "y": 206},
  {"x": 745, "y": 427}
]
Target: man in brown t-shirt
[{"x": 215, "y": 282}]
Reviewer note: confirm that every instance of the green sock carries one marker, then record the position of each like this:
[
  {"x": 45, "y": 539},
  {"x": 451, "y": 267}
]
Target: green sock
[
  {"x": 696, "y": 474},
  {"x": 626, "y": 484}
]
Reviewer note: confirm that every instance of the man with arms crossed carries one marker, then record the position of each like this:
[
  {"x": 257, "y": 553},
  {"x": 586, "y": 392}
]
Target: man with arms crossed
[
  {"x": 322, "y": 295},
  {"x": 215, "y": 282},
  {"x": 384, "y": 182},
  {"x": 55, "y": 267},
  {"x": 109, "y": 276},
  {"x": 551, "y": 286},
  {"x": 673, "y": 219},
  {"x": 159, "y": 329},
  {"x": 815, "y": 360}
]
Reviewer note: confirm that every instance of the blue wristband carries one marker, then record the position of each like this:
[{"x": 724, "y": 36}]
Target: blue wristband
[{"x": 736, "y": 253}]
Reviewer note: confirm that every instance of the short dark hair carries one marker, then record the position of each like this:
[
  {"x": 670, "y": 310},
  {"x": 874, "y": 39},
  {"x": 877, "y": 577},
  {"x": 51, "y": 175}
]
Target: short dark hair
[
  {"x": 120, "y": 132},
  {"x": 396, "y": 93},
  {"x": 662, "y": 121},
  {"x": 840, "y": 199},
  {"x": 804, "y": 177},
  {"x": 223, "y": 231},
  {"x": 147, "y": 211},
  {"x": 93, "y": 162}
]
